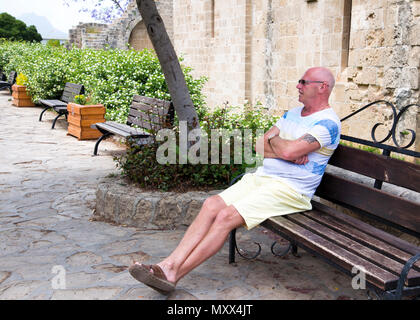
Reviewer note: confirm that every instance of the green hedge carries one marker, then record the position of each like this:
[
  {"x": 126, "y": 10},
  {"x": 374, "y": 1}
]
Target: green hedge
[
  {"x": 141, "y": 167},
  {"x": 110, "y": 77}
]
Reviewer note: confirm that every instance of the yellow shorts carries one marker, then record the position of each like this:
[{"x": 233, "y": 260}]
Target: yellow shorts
[{"x": 258, "y": 198}]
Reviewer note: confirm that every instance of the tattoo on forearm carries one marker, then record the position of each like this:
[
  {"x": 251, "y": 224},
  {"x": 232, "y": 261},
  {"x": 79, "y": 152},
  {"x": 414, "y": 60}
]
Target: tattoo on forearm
[{"x": 308, "y": 138}]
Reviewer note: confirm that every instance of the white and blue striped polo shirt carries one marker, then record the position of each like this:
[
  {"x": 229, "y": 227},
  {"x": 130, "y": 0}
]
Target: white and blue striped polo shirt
[{"x": 324, "y": 126}]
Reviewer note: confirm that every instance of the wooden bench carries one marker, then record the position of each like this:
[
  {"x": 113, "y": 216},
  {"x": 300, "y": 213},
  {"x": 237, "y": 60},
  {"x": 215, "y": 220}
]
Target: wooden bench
[
  {"x": 148, "y": 114},
  {"x": 10, "y": 82},
  {"x": 60, "y": 105},
  {"x": 390, "y": 264},
  {"x": 2, "y": 76}
]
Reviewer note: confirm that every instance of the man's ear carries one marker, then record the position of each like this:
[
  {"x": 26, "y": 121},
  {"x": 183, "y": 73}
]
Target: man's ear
[{"x": 324, "y": 86}]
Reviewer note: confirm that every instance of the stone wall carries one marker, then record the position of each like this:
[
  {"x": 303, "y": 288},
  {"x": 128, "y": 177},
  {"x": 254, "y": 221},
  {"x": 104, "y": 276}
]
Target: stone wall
[
  {"x": 119, "y": 201},
  {"x": 259, "y": 52},
  {"x": 125, "y": 30},
  {"x": 212, "y": 40},
  {"x": 384, "y": 60},
  {"x": 88, "y": 35}
]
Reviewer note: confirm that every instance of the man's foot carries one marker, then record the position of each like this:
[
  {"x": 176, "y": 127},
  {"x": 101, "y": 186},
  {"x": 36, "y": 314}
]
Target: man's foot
[{"x": 152, "y": 276}]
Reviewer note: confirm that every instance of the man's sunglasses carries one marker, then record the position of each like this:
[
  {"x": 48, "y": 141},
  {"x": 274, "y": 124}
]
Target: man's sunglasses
[{"x": 304, "y": 82}]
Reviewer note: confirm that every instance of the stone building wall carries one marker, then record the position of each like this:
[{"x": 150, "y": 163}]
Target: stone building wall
[
  {"x": 257, "y": 50},
  {"x": 128, "y": 29},
  {"x": 88, "y": 35},
  {"x": 384, "y": 59},
  {"x": 212, "y": 40}
]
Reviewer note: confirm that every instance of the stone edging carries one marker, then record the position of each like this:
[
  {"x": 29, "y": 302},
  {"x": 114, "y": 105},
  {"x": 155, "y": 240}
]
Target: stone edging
[{"x": 123, "y": 203}]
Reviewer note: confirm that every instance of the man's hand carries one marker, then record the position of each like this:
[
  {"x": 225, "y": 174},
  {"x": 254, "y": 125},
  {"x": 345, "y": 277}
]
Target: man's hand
[{"x": 301, "y": 160}]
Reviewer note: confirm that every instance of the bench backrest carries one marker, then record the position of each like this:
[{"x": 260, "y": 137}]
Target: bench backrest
[
  {"x": 12, "y": 77},
  {"x": 399, "y": 212},
  {"x": 2, "y": 76},
  {"x": 71, "y": 90},
  {"x": 150, "y": 113}
]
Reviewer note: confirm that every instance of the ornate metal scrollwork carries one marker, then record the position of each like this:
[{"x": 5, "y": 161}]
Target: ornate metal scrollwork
[
  {"x": 373, "y": 294},
  {"x": 240, "y": 252},
  {"x": 397, "y": 114},
  {"x": 283, "y": 253}
]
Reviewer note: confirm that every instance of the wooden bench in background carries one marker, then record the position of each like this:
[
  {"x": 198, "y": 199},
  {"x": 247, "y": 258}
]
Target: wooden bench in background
[
  {"x": 10, "y": 82},
  {"x": 60, "y": 106},
  {"x": 148, "y": 114},
  {"x": 390, "y": 264},
  {"x": 2, "y": 76}
]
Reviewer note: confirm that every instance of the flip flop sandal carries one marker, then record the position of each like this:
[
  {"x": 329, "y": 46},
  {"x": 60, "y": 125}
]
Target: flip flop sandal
[{"x": 156, "y": 280}]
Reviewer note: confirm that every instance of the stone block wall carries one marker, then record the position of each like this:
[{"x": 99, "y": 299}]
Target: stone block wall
[
  {"x": 125, "y": 30},
  {"x": 88, "y": 35},
  {"x": 384, "y": 61},
  {"x": 256, "y": 51},
  {"x": 210, "y": 34},
  {"x": 259, "y": 52}
]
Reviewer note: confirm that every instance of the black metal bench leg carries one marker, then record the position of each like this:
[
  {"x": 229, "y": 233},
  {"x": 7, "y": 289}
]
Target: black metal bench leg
[
  {"x": 294, "y": 249},
  {"x": 42, "y": 113},
  {"x": 104, "y": 136},
  {"x": 232, "y": 246},
  {"x": 56, "y": 118},
  {"x": 403, "y": 277}
]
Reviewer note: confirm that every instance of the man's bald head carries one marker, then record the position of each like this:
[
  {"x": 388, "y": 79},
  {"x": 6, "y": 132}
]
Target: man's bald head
[{"x": 322, "y": 74}]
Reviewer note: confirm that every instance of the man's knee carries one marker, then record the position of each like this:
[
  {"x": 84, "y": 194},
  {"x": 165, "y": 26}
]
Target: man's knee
[
  {"x": 214, "y": 204},
  {"x": 229, "y": 218}
]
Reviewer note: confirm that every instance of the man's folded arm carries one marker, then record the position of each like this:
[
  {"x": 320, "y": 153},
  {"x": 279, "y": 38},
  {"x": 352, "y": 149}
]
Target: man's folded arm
[{"x": 292, "y": 150}]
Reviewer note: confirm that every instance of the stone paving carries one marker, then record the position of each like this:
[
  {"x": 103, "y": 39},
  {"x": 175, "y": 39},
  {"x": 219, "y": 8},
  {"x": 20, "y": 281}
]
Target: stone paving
[{"x": 51, "y": 249}]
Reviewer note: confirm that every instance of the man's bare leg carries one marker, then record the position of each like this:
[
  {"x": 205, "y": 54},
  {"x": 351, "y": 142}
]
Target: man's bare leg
[
  {"x": 192, "y": 237},
  {"x": 227, "y": 220}
]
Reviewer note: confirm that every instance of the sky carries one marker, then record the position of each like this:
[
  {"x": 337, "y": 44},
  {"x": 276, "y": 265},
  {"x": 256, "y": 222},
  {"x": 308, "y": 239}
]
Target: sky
[{"x": 60, "y": 16}]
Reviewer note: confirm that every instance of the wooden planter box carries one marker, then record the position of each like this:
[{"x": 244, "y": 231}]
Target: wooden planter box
[
  {"x": 80, "y": 118},
  {"x": 20, "y": 97}
]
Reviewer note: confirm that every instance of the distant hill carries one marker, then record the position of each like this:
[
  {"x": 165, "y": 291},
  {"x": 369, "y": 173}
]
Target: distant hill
[{"x": 43, "y": 26}]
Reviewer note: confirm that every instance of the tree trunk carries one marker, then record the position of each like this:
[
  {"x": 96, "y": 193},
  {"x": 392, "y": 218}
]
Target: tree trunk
[{"x": 170, "y": 64}]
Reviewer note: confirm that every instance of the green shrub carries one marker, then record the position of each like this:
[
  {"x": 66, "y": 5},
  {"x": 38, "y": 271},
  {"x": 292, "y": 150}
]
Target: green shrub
[
  {"x": 110, "y": 77},
  {"x": 141, "y": 166},
  {"x": 53, "y": 43}
]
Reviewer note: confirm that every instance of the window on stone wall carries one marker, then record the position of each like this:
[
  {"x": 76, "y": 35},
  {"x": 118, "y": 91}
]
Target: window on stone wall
[{"x": 346, "y": 34}]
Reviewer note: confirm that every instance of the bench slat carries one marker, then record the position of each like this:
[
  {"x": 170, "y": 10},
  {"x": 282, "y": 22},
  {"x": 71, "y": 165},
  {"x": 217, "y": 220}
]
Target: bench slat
[
  {"x": 131, "y": 130},
  {"x": 377, "y": 233},
  {"x": 355, "y": 247},
  {"x": 394, "y": 171},
  {"x": 392, "y": 208},
  {"x": 144, "y": 116},
  {"x": 73, "y": 86},
  {"x": 107, "y": 127},
  {"x": 144, "y": 124},
  {"x": 136, "y": 106},
  {"x": 151, "y": 101},
  {"x": 67, "y": 98},
  {"x": 345, "y": 259},
  {"x": 121, "y": 129},
  {"x": 362, "y": 237},
  {"x": 53, "y": 103}
]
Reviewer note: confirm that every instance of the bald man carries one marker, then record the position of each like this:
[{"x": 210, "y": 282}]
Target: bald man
[{"x": 296, "y": 151}]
